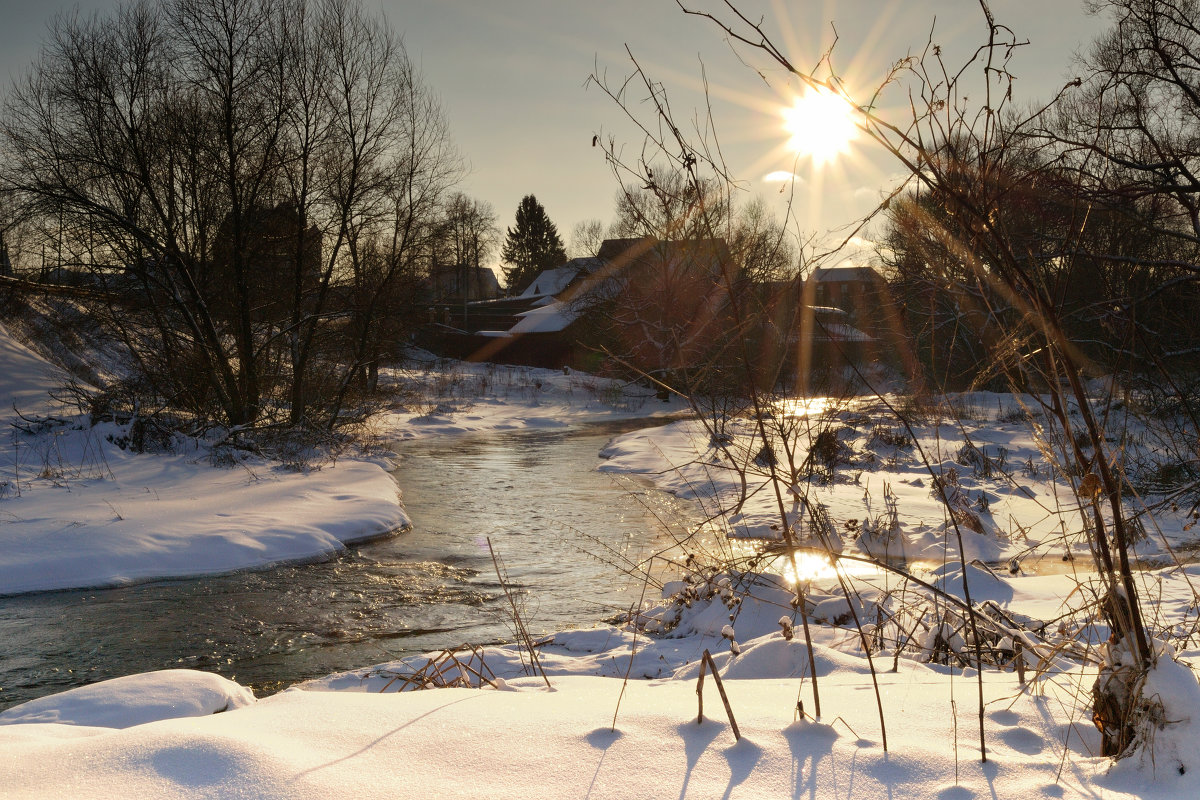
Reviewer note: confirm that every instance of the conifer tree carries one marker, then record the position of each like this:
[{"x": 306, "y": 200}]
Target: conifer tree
[{"x": 532, "y": 246}]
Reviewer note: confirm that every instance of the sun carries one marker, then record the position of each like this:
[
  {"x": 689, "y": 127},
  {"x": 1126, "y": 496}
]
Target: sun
[{"x": 821, "y": 125}]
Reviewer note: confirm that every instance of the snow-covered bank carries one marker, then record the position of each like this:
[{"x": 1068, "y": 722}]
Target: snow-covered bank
[
  {"x": 861, "y": 467},
  {"x": 78, "y": 508},
  {"x": 25, "y": 378},
  {"x": 355, "y": 735},
  {"x": 160, "y": 516},
  {"x": 450, "y": 397},
  {"x": 472, "y": 743},
  {"x": 134, "y": 700},
  {"x": 181, "y": 734}
]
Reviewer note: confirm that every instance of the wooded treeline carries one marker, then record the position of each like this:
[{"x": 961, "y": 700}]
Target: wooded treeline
[{"x": 1094, "y": 199}]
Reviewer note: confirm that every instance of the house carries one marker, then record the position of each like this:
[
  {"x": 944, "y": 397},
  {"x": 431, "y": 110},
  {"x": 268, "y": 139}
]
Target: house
[
  {"x": 658, "y": 304},
  {"x": 502, "y": 313},
  {"x": 274, "y": 254},
  {"x": 671, "y": 310},
  {"x": 459, "y": 283},
  {"x": 861, "y": 292},
  {"x": 662, "y": 307},
  {"x": 848, "y": 322},
  {"x": 555, "y": 281}
]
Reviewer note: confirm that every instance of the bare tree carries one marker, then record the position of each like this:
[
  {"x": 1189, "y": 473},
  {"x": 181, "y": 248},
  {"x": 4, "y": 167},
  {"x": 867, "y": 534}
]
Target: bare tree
[
  {"x": 669, "y": 206},
  {"x": 586, "y": 238},
  {"x": 391, "y": 165},
  {"x": 468, "y": 237},
  {"x": 1127, "y": 136},
  {"x": 1131, "y": 124},
  {"x": 222, "y": 168},
  {"x": 672, "y": 316}
]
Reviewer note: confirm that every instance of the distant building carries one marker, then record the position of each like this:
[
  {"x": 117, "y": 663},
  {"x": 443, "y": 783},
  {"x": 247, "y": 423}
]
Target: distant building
[
  {"x": 663, "y": 308},
  {"x": 660, "y": 304},
  {"x": 861, "y": 292},
  {"x": 848, "y": 321},
  {"x": 273, "y": 249},
  {"x": 570, "y": 276},
  {"x": 462, "y": 282},
  {"x": 670, "y": 308}
]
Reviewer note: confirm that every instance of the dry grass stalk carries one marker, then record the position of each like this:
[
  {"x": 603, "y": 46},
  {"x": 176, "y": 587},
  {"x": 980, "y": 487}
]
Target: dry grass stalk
[
  {"x": 706, "y": 661},
  {"x": 523, "y": 636},
  {"x": 446, "y": 670}
]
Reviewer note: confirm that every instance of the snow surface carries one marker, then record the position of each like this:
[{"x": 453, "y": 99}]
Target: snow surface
[
  {"x": 620, "y": 718},
  {"x": 594, "y": 734},
  {"x": 26, "y": 379},
  {"x": 134, "y": 700},
  {"x": 549, "y": 318},
  {"x": 79, "y": 509},
  {"x": 474, "y": 743},
  {"x": 457, "y": 397},
  {"x": 1019, "y": 505}
]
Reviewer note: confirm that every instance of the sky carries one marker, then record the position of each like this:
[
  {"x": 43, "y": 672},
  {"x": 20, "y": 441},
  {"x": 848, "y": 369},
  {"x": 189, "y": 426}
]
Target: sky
[{"x": 512, "y": 77}]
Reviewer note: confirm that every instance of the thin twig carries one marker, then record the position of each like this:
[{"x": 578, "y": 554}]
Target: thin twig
[{"x": 518, "y": 622}]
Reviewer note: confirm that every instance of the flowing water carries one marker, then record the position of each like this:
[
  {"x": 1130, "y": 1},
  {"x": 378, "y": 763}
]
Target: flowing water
[{"x": 557, "y": 524}]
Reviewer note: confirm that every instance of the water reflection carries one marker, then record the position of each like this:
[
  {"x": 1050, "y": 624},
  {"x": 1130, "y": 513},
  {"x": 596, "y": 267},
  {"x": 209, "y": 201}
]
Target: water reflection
[
  {"x": 804, "y": 406},
  {"x": 563, "y": 531}
]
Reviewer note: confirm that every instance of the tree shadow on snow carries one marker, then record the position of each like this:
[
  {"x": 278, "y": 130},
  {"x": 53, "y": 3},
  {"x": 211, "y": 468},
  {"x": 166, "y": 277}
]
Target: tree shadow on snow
[
  {"x": 601, "y": 739},
  {"x": 742, "y": 758},
  {"x": 810, "y": 742},
  {"x": 696, "y": 739}
]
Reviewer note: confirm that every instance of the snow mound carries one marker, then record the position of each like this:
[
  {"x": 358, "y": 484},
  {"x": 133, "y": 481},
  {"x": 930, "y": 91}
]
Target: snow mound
[
  {"x": 759, "y": 524},
  {"x": 134, "y": 700},
  {"x": 983, "y": 583},
  {"x": 775, "y": 658}
]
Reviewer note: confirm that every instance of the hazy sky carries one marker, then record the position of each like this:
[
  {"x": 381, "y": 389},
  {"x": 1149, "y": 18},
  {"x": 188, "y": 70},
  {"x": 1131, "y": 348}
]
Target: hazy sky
[{"x": 511, "y": 77}]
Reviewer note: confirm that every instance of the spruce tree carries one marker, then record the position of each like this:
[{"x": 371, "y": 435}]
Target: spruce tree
[{"x": 532, "y": 246}]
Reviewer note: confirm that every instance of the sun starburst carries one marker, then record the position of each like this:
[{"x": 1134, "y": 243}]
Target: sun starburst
[{"x": 821, "y": 125}]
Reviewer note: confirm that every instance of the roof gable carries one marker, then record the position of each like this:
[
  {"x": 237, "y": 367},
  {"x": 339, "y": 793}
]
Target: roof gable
[
  {"x": 554, "y": 281},
  {"x": 845, "y": 275}
]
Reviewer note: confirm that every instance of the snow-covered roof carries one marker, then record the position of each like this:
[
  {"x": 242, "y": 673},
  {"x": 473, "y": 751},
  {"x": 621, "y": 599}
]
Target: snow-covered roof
[
  {"x": 844, "y": 275},
  {"x": 545, "y": 319},
  {"x": 553, "y": 281},
  {"x": 840, "y": 332},
  {"x": 549, "y": 282}
]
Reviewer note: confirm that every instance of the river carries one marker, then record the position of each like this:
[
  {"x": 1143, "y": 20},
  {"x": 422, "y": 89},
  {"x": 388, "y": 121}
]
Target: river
[{"x": 560, "y": 527}]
